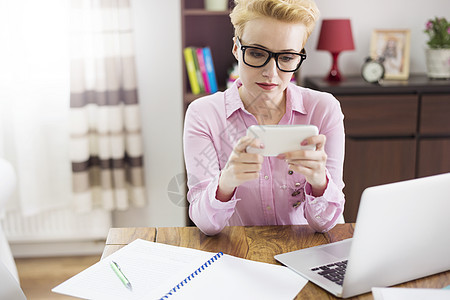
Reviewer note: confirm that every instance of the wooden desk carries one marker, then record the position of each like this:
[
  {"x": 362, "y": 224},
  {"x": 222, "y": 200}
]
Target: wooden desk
[{"x": 259, "y": 243}]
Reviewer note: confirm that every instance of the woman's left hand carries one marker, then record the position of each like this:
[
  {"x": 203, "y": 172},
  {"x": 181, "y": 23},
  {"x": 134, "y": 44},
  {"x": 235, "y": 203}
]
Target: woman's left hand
[{"x": 310, "y": 163}]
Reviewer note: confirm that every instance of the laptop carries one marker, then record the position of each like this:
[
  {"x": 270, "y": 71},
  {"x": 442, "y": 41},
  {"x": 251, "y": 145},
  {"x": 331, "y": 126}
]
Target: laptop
[{"x": 402, "y": 233}]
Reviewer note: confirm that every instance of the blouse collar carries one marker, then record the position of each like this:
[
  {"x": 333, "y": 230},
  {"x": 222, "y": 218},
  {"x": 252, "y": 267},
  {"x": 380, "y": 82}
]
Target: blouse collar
[{"x": 233, "y": 102}]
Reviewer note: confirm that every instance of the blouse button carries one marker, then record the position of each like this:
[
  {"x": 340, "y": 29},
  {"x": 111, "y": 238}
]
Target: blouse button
[
  {"x": 297, "y": 184},
  {"x": 290, "y": 172},
  {"x": 296, "y": 192},
  {"x": 266, "y": 177},
  {"x": 297, "y": 204}
]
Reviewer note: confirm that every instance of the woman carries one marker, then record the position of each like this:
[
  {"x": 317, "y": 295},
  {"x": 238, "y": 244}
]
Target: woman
[{"x": 227, "y": 185}]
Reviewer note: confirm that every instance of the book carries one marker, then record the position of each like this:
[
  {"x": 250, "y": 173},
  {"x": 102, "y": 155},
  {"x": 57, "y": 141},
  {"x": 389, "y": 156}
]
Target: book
[
  {"x": 191, "y": 71},
  {"x": 209, "y": 65},
  {"x": 160, "y": 271},
  {"x": 197, "y": 70},
  {"x": 201, "y": 64}
]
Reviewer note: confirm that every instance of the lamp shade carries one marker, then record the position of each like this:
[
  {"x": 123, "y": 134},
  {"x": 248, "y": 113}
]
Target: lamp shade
[{"x": 336, "y": 35}]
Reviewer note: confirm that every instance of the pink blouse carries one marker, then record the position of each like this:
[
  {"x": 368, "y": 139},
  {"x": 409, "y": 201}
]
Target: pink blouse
[{"x": 213, "y": 125}]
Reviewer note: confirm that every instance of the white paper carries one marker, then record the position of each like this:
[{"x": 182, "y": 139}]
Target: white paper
[
  {"x": 410, "y": 294},
  {"x": 236, "y": 278},
  {"x": 148, "y": 266},
  {"x": 153, "y": 269}
]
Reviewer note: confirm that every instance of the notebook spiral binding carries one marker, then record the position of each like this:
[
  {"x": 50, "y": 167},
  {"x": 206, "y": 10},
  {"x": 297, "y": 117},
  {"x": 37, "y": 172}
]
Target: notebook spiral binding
[{"x": 192, "y": 276}]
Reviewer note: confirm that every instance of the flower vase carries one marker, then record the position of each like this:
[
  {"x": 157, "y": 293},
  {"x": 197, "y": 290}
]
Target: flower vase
[{"x": 438, "y": 63}]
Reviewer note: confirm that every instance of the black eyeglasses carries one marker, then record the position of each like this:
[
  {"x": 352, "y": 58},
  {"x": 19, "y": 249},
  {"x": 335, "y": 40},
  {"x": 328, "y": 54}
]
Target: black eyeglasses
[{"x": 258, "y": 57}]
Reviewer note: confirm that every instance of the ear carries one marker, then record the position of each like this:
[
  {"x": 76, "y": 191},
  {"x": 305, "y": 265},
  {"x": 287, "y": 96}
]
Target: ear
[{"x": 234, "y": 50}]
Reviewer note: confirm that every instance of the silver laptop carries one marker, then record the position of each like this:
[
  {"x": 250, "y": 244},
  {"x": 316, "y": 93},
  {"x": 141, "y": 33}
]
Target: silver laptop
[{"x": 402, "y": 233}]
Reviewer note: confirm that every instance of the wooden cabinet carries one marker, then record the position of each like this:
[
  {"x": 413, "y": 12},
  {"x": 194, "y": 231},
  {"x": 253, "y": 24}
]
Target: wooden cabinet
[
  {"x": 434, "y": 132},
  {"x": 379, "y": 115},
  {"x": 394, "y": 131},
  {"x": 202, "y": 28},
  {"x": 434, "y": 156},
  {"x": 370, "y": 162},
  {"x": 435, "y": 115}
]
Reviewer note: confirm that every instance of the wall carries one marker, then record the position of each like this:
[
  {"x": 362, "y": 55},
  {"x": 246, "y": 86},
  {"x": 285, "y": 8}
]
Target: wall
[
  {"x": 366, "y": 16},
  {"x": 158, "y": 57},
  {"x": 158, "y": 42}
]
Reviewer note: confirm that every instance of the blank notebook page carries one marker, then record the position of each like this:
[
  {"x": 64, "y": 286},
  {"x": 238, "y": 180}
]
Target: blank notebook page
[
  {"x": 150, "y": 267},
  {"x": 235, "y": 278},
  {"x": 154, "y": 269}
]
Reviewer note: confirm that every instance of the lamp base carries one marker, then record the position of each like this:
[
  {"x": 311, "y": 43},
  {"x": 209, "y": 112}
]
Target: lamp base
[{"x": 334, "y": 75}]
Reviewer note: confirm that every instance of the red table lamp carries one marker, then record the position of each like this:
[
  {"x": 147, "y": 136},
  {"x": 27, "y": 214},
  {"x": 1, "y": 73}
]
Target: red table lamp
[{"x": 335, "y": 36}]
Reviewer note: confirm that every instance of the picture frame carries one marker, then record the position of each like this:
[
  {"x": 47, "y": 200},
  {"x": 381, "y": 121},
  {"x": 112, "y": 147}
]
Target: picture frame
[{"x": 392, "y": 47}]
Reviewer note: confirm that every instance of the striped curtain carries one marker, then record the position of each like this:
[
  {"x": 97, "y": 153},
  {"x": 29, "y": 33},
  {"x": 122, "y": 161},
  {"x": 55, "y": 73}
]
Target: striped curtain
[{"x": 106, "y": 140}]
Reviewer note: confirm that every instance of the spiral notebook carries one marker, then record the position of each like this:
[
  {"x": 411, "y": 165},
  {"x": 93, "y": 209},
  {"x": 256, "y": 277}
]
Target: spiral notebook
[{"x": 160, "y": 271}]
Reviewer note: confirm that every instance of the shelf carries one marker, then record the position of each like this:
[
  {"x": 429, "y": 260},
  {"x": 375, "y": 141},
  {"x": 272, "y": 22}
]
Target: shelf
[
  {"x": 206, "y": 28},
  {"x": 189, "y": 97},
  {"x": 355, "y": 85},
  {"x": 204, "y": 12}
]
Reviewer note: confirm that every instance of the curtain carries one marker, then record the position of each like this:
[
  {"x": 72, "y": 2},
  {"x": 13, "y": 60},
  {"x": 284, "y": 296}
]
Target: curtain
[
  {"x": 34, "y": 102},
  {"x": 105, "y": 130}
]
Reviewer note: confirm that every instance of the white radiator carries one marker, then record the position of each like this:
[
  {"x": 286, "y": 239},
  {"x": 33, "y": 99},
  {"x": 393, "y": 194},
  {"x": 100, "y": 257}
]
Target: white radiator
[{"x": 57, "y": 232}]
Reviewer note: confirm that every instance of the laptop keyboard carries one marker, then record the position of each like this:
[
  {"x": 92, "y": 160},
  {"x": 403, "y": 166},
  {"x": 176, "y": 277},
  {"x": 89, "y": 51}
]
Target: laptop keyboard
[{"x": 334, "y": 272}]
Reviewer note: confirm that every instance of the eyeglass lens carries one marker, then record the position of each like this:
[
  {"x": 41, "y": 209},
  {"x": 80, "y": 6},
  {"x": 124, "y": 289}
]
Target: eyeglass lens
[{"x": 256, "y": 57}]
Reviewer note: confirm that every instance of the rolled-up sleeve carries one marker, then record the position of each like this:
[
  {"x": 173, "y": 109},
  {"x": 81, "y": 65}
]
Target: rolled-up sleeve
[
  {"x": 203, "y": 171},
  {"x": 325, "y": 211},
  {"x": 209, "y": 214}
]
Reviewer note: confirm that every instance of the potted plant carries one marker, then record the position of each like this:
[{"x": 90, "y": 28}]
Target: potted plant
[{"x": 438, "y": 53}]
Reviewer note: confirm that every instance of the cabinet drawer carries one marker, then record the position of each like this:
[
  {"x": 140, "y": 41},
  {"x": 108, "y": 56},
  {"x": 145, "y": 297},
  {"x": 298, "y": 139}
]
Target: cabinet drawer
[
  {"x": 381, "y": 115},
  {"x": 372, "y": 162},
  {"x": 434, "y": 156},
  {"x": 435, "y": 115}
]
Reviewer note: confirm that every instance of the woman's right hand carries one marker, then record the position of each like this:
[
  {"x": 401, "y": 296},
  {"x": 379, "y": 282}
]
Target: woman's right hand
[{"x": 241, "y": 167}]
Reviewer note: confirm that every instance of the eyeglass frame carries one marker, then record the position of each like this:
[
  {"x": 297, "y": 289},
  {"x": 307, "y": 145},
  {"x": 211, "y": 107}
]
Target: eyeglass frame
[{"x": 275, "y": 55}]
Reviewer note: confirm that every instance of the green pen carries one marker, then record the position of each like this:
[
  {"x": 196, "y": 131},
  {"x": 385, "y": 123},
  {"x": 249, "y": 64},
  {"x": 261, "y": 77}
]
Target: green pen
[{"x": 119, "y": 274}]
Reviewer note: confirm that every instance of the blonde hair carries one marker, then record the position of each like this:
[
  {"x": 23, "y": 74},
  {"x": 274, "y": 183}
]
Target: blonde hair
[{"x": 290, "y": 11}]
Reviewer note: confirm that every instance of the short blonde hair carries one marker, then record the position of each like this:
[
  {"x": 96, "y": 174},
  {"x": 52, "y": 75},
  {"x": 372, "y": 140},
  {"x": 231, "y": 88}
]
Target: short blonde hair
[{"x": 290, "y": 11}]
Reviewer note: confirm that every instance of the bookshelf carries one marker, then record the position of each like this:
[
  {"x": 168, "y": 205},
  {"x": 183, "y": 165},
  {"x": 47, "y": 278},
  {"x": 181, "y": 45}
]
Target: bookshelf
[{"x": 202, "y": 28}]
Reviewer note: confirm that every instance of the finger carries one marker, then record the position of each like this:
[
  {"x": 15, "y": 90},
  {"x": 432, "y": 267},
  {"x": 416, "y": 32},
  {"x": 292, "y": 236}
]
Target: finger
[
  {"x": 245, "y": 168},
  {"x": 318, "y": 140},
  {"x": 247, "y": 176},
  {"x": 313, "y": 176},
  {"x": 306, "y": 155},
  {"x": 318, "y": 154},
  {"x": 249, "y": 158},
  {"x": 242, "y": 144},
  {"x": 300, "y": 169},
  {"x": 293, "y": 155},
  {"x": 237, "y": 169},
  {"x": 305, "y": 170},
  {"x": 255, "y": 144},
  {"x": 246, "y": 141},
  {"x": 308, "y": 164}
]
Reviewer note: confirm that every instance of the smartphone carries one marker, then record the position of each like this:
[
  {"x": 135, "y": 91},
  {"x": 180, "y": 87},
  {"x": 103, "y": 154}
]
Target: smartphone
[{"x": 279, "y": 139}]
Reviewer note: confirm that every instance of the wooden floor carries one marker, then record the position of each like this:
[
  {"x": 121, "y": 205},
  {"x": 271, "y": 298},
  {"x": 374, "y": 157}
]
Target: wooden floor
[{"x": 39, "y": 275}]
